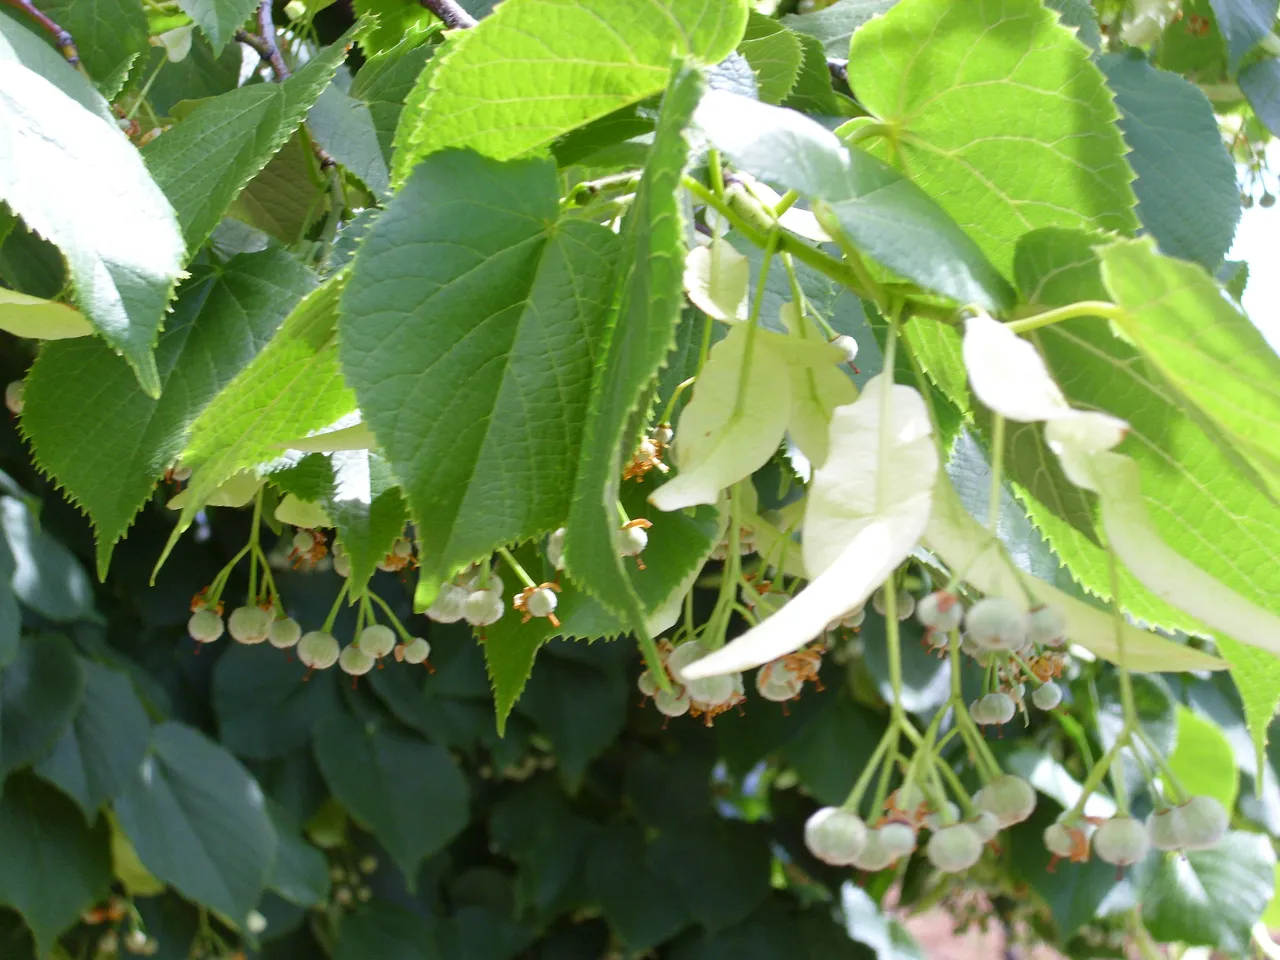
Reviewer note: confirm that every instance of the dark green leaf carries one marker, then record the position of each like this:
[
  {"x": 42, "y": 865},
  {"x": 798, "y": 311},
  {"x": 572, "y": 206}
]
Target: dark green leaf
[
  {"x": 46, "y": 575},
  {"x": 1243, "y": 23},
  {"x": 368, "y": 509},
  {"x": 264, "y": 709},
  {"x": 510, "y": 646},
  {"x": 926, "y": 679},
  {"x": 1192, "y": 44},
  {"x": 105, "y": 743},
  {"x": 199, "y": 75},
  {"x": 395, "y": 21},
  {"x": 536, "y": 827},
  {"x": 603, "y": 140},
  {"x": 31, "y": 264},
  {"x": 39, "y": 694},
  {"x": 833, "y": 26},
  {"x": 300, "y": 872},
  {"x": 970, "y": 475},
  {"x": 345, "y": 127},
  {"x": 198, "y": 822},
  {"x": 293, "y": 387},
  {"x": 513, "y": 308},
  {"x": 205, "y": 160},
  {"x": 17, "y": 42},
  {"x": 1073, "y": 891},
  {"x": 1081, "y": 15},
  {"x": 831, "y": 749},
  {"x": 384, "y": 82},
  {"x": 218, "y": 18},
  {"x": 350, "y": 236},
  {"x": 1209, "y": 897},
  {"x": 678, "y": 547},
  {"x": 578, "y": 707},
  {"x": 108, "y": 217},
  {"x": 109, "y": 35},
  {"x": 813, "y": 92},
  {"x": 1260, "y": 82},
  {"x": 1188, "y": 198},
  {"x": 223, "y": 317},
  {"x": 1234, "y": 277},
  {"x": 647, "y": 308},
  {"x": 732, "y": 874},
  {"x": 883, "y": 214},
  {"x": 775, "y": 55},
  {"x": 10, "y": 612},
  {"x": 283, "y": 200},
  {"x": 483, "y": 933},
  {"x": 384, "y": 931},
  {"x": 409, "y": 792},
  {"x": 637, "y": 903},
  {"x": 53, "y": 866}
]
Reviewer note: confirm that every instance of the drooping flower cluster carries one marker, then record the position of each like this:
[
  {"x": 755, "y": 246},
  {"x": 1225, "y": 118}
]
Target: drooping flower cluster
[
  {"x": 1198, "y": 823},
  {"x": 1019, "y": 648},
  {"x": 840, "y": 837}
]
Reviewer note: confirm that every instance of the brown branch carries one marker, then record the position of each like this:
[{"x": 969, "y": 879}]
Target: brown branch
[
  {"x": 254, "y": 42},
  {"x": 61, "y": 38},
  {"x": 267, "y": 30},
  {"x": 453, "y": 15},
  {"x": 264, "y": 45}
]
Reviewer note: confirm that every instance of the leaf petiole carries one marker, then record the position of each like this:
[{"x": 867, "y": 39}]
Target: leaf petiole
[
  {"x": 520, "y": 572},
  {"x": 1083, "y": 308}
]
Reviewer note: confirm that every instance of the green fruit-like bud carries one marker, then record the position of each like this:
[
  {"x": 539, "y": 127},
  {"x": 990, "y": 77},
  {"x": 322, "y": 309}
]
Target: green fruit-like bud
[
  {"x": 416, "y": 651},
  {"x": 284, "y": 633},
  {"x": 646, "y": 684},
  {"x": 1058, "y": 839},
  {"x": 447, "y": 606},
  {"x": 249, "y": 624},
  {"x": 954, "y": 849},
  {"x": 1046, "y": 627},
  {"x": 1047, "y": 696},
  {"x": 1010, "y": 798},
  {"x": 777, "y": 682},
  {"x": 875, "y": 856},
  {"x": 1122, "y": 841},
  {"x": 674, "y": 704},
  {"x": 899, "y": 839},
  {"x": 355, "y": 661},
  {"x": 835, "y": 836},
  {"x": 940, "y": 611},
  {"x": 712, "y": 691},
  {"x": 986, "y": 825},
  {"x": 1201, "y": 822},
  {"x": 1162, "y": 827},
  {"x": 542, "y": 602},
  {"x": 377, "y": 640},
  {"x": 994, "y": 709},
  {"x": 482, "y": 608},
  {"x": 996, "y": 623},
  {"x": 205, "y": 626},
  {"x": 318, "y": 650}
]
